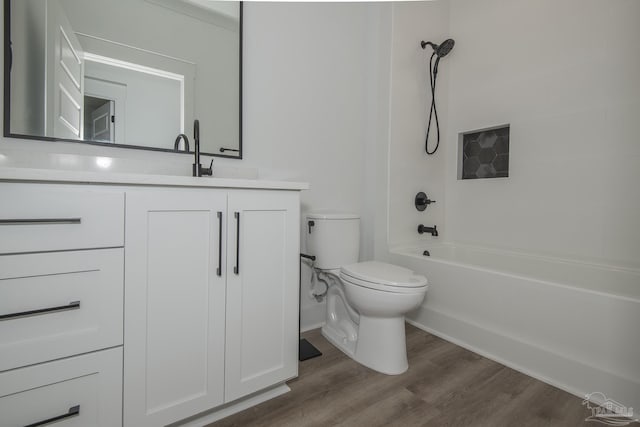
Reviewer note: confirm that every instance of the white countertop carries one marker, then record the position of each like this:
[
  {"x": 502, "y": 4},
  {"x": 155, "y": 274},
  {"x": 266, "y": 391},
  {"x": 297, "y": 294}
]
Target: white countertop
[{"x": 8, "y": 174}]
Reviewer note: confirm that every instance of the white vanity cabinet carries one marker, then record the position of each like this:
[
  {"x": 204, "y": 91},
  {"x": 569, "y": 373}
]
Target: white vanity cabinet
[
  {"x": 144, "y": 301},
  {"x": 211, "y": 299}
]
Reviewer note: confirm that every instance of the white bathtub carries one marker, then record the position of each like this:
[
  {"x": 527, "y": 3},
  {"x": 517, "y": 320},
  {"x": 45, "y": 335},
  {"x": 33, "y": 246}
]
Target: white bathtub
[{"x": 571, "y": 324}]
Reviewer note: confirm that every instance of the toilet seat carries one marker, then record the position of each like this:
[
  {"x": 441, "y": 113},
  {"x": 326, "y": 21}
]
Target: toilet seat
[{"x": 383, "y": 277}]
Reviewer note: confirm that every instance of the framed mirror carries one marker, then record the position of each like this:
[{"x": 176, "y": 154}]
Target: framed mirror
[{"x": 125, "y": 73}]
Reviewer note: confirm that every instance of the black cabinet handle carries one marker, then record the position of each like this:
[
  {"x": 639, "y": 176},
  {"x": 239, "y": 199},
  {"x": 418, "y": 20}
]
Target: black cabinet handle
[
  {"x": 73, "y": 411},
  {"x": 219, "y": 270},
  {"x": 40, "y": 221},
  {"x": 71, "y": 306},
  {"x": 236, "y": 269}
]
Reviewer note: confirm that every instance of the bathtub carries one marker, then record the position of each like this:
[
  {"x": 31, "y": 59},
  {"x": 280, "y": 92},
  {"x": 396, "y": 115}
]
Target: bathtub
[{"x": 574, "y": 325}]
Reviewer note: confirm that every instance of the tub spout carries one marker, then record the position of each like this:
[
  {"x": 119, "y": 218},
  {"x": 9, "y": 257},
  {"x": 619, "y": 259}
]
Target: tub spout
[{"x": 423, "y": 229}]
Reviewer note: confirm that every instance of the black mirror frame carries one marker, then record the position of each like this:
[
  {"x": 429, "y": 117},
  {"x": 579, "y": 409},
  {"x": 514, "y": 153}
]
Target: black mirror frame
[{"x": 8, "y": 59}]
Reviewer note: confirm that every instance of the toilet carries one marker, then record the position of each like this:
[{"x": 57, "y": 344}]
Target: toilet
[{"x": 366, "y": 301}]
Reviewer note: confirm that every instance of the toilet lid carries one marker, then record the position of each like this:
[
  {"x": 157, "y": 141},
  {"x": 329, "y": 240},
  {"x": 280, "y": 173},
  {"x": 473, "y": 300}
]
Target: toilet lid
[{"x": 382, "y": 276}]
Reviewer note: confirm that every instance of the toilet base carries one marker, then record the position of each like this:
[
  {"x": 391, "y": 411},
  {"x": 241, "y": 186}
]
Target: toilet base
[{"x": 380, "y": 344}]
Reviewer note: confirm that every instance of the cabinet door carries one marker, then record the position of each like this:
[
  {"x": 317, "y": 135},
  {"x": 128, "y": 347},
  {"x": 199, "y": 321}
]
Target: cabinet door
[
  {"x": 262, "y": 290},
  {"x": 174, "y": 304}
]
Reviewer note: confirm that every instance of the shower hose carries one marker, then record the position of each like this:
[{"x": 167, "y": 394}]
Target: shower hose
[{"x": 433, "y": 112}]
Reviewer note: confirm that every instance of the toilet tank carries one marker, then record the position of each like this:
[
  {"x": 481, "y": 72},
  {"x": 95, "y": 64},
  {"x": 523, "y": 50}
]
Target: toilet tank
[{"x": 333, "y": 237}]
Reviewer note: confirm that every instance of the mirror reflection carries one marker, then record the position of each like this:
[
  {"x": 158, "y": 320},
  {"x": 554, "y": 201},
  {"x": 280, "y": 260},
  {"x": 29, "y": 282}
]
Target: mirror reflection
[{"x": 133, "y": 73}]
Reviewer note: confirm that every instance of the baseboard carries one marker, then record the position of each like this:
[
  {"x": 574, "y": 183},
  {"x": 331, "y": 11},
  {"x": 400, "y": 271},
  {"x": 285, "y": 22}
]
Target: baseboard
[
  {"x": 312, "y": 327},
  {"x": 554, "y": 369},
  {"x": 233, "y": 408}
]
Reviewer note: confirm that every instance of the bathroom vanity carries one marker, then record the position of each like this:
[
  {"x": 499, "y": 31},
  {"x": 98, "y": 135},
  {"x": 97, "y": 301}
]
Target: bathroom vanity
[{"x": 144, "y": 300}]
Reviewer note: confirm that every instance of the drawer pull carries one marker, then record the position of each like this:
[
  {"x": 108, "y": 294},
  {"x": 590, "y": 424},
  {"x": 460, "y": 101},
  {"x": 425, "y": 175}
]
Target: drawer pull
[
  {"x": 40, "y": 221},
  {"x": 73, "y": 411},
  {"x": 71, "y": 306}
]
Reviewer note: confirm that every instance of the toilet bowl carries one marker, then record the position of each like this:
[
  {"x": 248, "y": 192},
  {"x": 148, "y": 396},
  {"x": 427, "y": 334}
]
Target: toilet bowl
[
  {"x": 365, "y": 301},
  {"x": 380, "y": 294}
]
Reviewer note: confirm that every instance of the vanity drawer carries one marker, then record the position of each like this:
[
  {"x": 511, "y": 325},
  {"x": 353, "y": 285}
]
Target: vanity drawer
[
  {"x": 90, "y": 385},
  {"x": 59, "y": 304},
  {"x": 46, "y": 217}
]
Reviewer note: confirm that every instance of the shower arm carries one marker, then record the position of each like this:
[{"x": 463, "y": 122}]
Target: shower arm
[{"x": 424, "y": 44}]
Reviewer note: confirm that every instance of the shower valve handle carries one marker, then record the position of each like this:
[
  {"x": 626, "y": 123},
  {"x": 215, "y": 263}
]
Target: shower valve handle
[{"x": 422, "y": 201}]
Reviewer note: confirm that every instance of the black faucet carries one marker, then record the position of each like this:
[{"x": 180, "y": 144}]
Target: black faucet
[
  {"x": 198, "y": 170},
  {"x": 432, "y": 230}
]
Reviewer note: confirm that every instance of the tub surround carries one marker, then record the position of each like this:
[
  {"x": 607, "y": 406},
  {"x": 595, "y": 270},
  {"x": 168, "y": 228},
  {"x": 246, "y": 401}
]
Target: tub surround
[{"x": 574, "y": 156}]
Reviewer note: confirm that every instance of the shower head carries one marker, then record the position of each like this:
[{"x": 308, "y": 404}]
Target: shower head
[
  {"x": 442, "y": 49},
  {"x": 445, "y": 47}
]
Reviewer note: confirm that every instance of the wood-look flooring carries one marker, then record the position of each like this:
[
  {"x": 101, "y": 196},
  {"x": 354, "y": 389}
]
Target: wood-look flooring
[{"x": 445, "y": 385}]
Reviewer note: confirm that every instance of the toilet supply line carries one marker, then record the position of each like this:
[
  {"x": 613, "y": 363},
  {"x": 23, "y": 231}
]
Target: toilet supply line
[{"x": 319, "y": 297}]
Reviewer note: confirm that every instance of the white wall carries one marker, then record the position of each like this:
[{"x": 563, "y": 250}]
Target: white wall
[
  {"x": 565, "y": 75},
  {"x": 308, "y": 104},
  {"x": 310, "y": 109},
  {"x": 410, "y": 169},
  {"x": 376, "y": 173}
]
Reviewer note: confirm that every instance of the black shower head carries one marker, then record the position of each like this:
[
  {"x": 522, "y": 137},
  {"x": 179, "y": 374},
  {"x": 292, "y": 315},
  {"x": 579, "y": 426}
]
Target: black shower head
[
  {"x": 445, "y": 47},
  {"x": 442, "y": 49}
]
